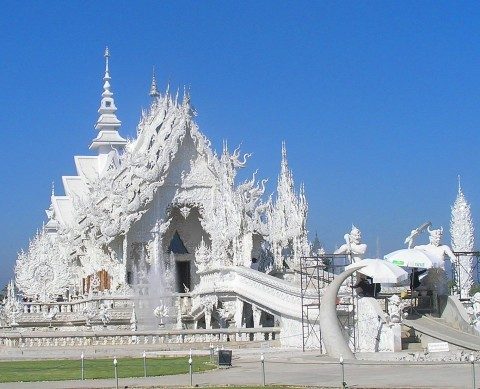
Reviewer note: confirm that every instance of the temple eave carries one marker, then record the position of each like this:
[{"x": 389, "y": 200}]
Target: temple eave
[{"x": 108, "y": 137}]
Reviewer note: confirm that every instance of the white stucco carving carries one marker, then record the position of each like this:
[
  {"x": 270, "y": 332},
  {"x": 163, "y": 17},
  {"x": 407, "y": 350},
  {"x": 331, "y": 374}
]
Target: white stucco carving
[
  {"x": 226, "y": 312},
  {"x": 12, "y": 308},
  {"x": 161, "y": 312},
  {"x": 436, "y": 279},
  {"x": 463, "y": 239},
  {"x": 44, "y": 270},
  {"x": 286, "y": 218},
  {"x": 89, "y": 314},
  {"x": 375, "y": 331},
  {"x": 353, "y": 245},
  {"x": 395, "y": 309},
  {"x": 474, "y": 311},
  {"x": 104, "y": 314}
]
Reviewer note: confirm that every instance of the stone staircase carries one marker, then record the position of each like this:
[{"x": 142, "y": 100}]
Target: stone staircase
[
  {"x": 429, "y": 328},
  {"x": 410, "y": 340}
]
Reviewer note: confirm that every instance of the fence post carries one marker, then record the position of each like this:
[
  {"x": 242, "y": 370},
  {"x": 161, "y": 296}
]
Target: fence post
[
  {"x": 144, "y": 364},
  {"x": 344, "y": 384},
  {"x": 472, "y": 361},
  {"x": 262, "y": 359},
  {"x": 82, "y": 357},
  {"x": 190, "y": 368},
  {"x": 116, "y": 373}
]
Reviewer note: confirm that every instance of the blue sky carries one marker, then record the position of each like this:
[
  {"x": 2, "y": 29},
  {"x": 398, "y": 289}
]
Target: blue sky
[{"x": 378, "y": 102}]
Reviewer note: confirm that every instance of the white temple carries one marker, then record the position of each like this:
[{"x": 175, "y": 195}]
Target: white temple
[
  {"x": 154, "y": 241},
  {"x": 163, "y": 200}
]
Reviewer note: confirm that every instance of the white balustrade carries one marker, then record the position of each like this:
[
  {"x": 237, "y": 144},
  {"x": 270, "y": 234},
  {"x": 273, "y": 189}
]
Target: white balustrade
[{"x": 73, "y": 339}]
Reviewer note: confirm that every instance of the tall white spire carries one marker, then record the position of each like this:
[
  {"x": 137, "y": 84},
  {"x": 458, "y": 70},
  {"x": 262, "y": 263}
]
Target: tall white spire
[
  {"x": 285, "y": 179},
  {"x": 463, "y": 239},
  {"x": 286, "y": 218},
  {"x": 107, "y": 120},
  {"x": 108, "y": 142},
  {"x": 108, "y": 123},
  {"x": 52, "y": 223}
]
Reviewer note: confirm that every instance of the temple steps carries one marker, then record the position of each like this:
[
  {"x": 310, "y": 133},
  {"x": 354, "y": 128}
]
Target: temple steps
[
  {"x": 433, "y": 329},
  {"x": 410, "y": 340}
]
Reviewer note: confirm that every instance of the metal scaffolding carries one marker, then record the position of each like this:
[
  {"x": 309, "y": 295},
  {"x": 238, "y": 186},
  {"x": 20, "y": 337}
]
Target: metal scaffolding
[
  {"x": 457, "y": 268},
  {"x": 316, "y": 272}
]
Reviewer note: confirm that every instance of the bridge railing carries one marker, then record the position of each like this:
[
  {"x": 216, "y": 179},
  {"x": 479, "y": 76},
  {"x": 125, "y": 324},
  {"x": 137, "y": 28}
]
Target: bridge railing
[{"x": 117, "y": 338}]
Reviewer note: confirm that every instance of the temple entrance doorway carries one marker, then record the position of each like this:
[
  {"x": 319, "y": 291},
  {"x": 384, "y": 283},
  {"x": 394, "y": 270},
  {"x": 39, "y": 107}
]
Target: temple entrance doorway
[
  {"x": 182, "y": 263},
  {"x": 181, "y": 240},
  {"x": 183, "y": 276}
]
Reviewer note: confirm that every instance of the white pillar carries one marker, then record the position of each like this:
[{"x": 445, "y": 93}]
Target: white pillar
[
  {"x": 257, "y": 314},
  {"x": 238, "y": 313},
  {"x": 208, "y": 318}
]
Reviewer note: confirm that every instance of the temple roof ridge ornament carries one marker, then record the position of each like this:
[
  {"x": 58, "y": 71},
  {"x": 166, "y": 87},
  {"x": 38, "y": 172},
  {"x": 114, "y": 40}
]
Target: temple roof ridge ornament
[
  {"x": 108, "y": 123},
  {"x": 52, "y": 224},
  {"x": 285, "y": 179},
  {"x": 154, "y": 93}
]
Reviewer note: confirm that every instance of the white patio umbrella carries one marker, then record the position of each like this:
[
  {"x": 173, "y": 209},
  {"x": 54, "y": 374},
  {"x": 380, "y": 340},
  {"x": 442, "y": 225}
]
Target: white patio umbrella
[
  {"x": 380, "y": 271},
  {"x": 414, "y": 258}
]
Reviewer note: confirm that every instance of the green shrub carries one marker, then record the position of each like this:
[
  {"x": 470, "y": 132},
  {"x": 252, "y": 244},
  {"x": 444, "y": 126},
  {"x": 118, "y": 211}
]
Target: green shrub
[{"x": 474, "y": 289}]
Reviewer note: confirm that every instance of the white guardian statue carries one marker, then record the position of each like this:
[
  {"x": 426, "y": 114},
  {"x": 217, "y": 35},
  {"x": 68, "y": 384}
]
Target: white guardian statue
[
  {"x": 436, "y": 278},
  {"x": 435, "y": 248},
  {"x": 353, "y": 245}
]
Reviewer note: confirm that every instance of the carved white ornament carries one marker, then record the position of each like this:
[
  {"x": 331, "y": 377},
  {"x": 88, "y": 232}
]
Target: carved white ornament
[
  {"x": 45, "y": 269},
  {"x": 161, "y": 312},
  {"x": 463, "y": 239}
]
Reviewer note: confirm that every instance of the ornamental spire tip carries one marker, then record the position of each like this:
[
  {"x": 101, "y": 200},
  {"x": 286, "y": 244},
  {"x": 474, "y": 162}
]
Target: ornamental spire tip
[
  {"x": 107, "y": 119},
  {"x": 153, "y": 88},
  {"x": 107, "y": 56}
]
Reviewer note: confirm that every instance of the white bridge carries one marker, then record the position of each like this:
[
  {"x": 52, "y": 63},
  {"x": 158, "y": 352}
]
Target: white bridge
[{"x": 265, "y": 293}]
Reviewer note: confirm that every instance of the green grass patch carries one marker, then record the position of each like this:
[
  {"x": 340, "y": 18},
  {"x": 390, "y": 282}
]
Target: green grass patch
[{"x": 57, "y": 370}]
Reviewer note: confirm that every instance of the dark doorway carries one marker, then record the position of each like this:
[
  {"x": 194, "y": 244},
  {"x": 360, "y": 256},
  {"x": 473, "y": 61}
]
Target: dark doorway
[{"x": 183, "y": 275}]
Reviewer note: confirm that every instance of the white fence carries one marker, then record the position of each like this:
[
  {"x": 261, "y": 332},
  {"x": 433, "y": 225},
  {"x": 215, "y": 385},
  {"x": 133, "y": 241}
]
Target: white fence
[{"x": 115, "y": 338}]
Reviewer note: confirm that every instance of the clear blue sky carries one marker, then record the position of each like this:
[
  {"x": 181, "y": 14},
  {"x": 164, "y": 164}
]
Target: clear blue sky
[{"x": 378, "y": 102}]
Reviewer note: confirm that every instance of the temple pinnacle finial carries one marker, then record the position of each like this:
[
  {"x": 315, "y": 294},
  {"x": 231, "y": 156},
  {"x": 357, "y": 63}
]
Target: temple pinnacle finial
[
  {"x": 53, "y": 188},
  {"x": 107, "y": 124},
  {"x": 284, "y": 151},
  {"x": 107, "y": 56},
  {"x": 154, "y": 94},
  {"x": 459, "y": 184},
  {"x": 107, "y": 120}
]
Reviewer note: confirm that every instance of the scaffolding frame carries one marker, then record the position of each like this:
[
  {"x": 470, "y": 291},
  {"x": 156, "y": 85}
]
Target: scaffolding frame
[
  {"x": 457, "y": 266},
  {"x": 317, "y": 272}
]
